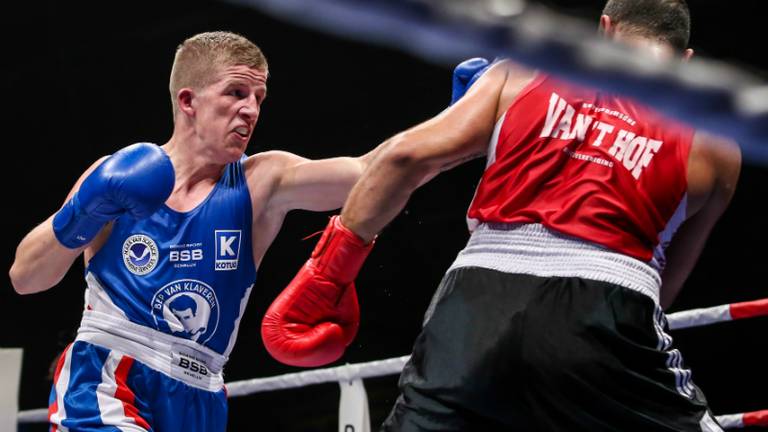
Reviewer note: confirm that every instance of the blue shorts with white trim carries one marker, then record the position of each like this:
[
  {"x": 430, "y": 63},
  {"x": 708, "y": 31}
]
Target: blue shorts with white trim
[{"x": 97, "y": 389}]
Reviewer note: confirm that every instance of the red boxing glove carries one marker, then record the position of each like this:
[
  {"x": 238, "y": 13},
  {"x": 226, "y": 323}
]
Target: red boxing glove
[{"x": 316, "y": 316}]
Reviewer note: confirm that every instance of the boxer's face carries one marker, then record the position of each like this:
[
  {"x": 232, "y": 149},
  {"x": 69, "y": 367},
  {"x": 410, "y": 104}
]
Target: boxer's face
[
  {"x": 226, "y": 111},
  {"x": 185, "y": 316}
]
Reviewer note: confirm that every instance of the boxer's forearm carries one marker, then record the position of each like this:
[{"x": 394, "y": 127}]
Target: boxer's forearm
[
  {"x": 413, "y": 157},
  {"x": 41, "y": 261},
  {"x": 384, "y": 190}
]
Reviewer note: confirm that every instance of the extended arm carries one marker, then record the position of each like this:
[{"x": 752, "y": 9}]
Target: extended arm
[
  {"x": 458, "y": 134},
  {"x": 316, "y": 185},
  {"x": 321, "y": 185},
  {"x": 316, "y": 316}
]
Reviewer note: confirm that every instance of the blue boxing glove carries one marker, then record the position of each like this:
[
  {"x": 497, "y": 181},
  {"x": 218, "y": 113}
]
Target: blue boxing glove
[
  {"x": 465, "y": 74},
  {"x": 135, "y": 180}
]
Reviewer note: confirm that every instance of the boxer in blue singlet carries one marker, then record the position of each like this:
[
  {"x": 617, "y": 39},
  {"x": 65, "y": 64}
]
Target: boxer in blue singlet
[{"x": 172, "y": 237}]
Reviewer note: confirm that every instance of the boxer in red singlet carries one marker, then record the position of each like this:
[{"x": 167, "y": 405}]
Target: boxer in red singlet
[{"x": 590, "y": 214}]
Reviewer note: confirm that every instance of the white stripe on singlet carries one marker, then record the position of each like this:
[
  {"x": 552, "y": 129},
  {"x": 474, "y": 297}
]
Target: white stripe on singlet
[
  {"x": 96, "y": 298},
  {"x": 491, "y": 158},
  {"x": 233, "y": 336},
  {"x": 659, "y": 260}
]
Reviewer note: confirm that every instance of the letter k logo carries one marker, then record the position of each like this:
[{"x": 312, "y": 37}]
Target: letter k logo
[
  {"x": 226, "y": 246},
  {"x": 227, "y": 249}
]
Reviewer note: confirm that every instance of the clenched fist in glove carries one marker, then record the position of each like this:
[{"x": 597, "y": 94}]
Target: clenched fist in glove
[
  {"x": 316, "y": 316},
  {"x": 466, "y": 74}
]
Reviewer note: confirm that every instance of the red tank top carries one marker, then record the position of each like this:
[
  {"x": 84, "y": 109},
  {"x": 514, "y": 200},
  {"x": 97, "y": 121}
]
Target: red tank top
[{"x": 587, "y": 164}]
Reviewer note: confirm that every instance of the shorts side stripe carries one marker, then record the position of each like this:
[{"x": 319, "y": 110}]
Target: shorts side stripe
[
  {"x": 115, "y": 399},
  {"x": 674, "y": 360},
  {"x": 56, "y": 410},
  {"x": 125, "y": 394}
]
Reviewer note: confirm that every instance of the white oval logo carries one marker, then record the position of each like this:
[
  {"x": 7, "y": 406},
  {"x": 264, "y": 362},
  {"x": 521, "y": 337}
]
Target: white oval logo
[
  {"x": 186, "y": 308},
  {"x": 140, "y": 254}
]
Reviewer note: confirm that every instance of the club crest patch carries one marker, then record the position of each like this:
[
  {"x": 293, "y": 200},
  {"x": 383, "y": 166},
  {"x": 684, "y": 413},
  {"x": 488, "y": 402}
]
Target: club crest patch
[
  {"x": 186, "y": 308},
  {"x": 140, "y": 254}
]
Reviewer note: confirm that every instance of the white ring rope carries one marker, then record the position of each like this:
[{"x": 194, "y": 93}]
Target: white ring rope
[
  {"x": 737, "y": 421},
  {"x": 344, "y": 373},
  {"x": 38, "y": 415},
  {"x": 715, "y": 314},
  {"x": 391, "y": 366},
  {"x": 317, "y": 376},
  {"x": 727, "y": 421},
  {"x": 372, "y": 369}
]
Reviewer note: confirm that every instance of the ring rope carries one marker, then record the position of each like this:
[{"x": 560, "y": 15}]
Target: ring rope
[
  {"x": 748, "y": 419},
  {"x": 347, "y": 372},
  {"x": 391, "y": 366},
  {"x": 715, "y": 314}
]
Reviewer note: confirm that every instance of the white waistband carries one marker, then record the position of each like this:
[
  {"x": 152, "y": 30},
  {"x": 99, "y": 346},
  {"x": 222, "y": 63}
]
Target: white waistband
[
  {"x": 178, "y": 358},
  {"x": 533, "y": 249}
]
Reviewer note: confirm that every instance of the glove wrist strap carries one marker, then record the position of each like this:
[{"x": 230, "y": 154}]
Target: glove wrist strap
[
  {"x": 340, "y": 253},
  {"x": 72, "y": 227}
]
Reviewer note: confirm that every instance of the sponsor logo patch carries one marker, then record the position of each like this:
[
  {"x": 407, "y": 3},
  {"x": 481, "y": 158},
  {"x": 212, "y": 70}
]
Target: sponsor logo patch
[
  {"x": 140, "y": 254},
  {"x": 227, "y": 249}
]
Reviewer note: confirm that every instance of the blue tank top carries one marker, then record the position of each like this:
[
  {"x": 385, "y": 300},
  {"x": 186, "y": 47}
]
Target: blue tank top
[{"x": 186, "y": 274}]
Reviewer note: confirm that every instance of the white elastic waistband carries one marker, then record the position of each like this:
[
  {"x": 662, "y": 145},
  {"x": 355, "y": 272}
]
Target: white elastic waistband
[
  {"x": 533, "y": 249},
  {"x": 178, "y": 358}
]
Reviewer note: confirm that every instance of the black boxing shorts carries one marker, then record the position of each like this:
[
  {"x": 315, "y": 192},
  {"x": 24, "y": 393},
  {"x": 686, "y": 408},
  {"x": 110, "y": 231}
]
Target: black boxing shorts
[{"x": 515, "y": 352}]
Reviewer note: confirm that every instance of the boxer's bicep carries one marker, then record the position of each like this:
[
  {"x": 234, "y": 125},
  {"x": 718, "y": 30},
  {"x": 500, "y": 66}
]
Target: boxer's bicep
[
  {"x": 293, "y": 182},
  {"x": 318, "y": 185}
]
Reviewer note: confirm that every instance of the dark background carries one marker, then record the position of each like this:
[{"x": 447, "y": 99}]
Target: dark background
[{"x": 81, "y": 80}]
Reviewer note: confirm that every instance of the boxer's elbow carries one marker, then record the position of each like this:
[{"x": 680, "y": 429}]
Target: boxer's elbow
[
  {"x": 25, "y": 281},
  {"x": 410, "y": 156},
  {"x": 18, "y": 280}
]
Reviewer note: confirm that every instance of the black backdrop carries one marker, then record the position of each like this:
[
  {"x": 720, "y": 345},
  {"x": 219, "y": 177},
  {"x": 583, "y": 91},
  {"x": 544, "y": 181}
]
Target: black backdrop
[{"x": 79, "y": 81}]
